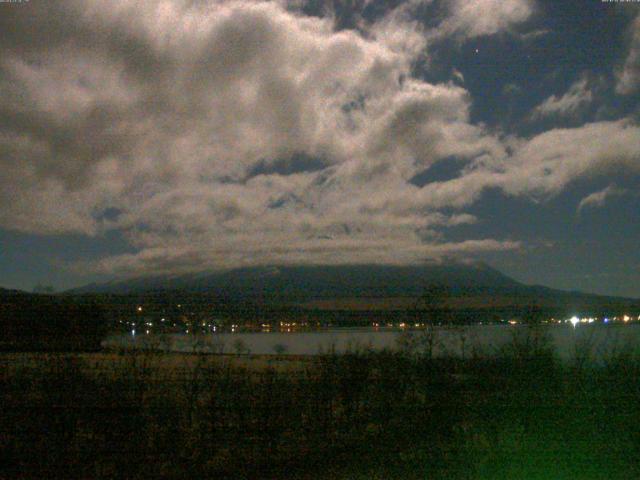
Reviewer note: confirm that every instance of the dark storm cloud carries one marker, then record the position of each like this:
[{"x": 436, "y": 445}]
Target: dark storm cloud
[{"x": 235, "y": 133}]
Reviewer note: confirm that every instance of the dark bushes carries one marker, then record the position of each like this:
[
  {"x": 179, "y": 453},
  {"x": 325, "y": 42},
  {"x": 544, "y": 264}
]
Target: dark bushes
[
  {"x": 51, "y": 323},
  {"x": 519, "y": 414}
]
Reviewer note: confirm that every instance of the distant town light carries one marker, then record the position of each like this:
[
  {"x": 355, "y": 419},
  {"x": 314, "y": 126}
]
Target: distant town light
[
  {"x": 625, "y": 318},
  {"x": 574, "y": 321},
  {"x": 139, "y": 308}
]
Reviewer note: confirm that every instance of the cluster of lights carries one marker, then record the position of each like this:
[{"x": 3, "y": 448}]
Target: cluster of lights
[
  {"x": 575, "y": 320},
  {"x": 405, "y": 325},
  {"x": 287, "y": 326},
  {"x": 140, "y": 308}
]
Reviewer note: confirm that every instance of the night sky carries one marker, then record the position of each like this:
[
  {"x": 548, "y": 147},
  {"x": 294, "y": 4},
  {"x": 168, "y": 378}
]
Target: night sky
[{"x": 170, "y": 136}]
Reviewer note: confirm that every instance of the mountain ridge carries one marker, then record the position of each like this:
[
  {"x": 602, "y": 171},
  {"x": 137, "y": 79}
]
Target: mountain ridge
[
  {"x": 287, "y": 277},
  {"x": 301, "y": 284}
]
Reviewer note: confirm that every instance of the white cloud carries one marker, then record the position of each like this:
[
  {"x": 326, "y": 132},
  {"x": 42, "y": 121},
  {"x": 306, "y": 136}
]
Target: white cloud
[
  {"x": 628, "y": 80},
  {"x": 227, "y": 134},
  {"x": 598, "y": 199},
  {"x": 547, "y": 163},
  {"x": 240, "y": 133},
  {"x": 539, "y": 167},
  {"x": 470, "y": 19},
  {"x": 458, "y": 76},
  {"x": 570, "y": 104}
]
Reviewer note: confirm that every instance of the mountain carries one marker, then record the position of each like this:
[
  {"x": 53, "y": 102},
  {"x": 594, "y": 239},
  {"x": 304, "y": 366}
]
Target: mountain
[
  {"x": 469, "y": 287},
  {"x": 317, "y": 282}
]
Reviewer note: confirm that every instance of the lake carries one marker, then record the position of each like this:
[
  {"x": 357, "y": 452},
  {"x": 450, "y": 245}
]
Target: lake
[{"x": 598, "y": 339}]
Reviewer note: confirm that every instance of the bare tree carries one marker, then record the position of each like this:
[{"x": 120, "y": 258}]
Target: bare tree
[{"x": 431, "y": 311}]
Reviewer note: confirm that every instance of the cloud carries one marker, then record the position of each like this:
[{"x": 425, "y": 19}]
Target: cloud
[
  {"x": 540, "y": 167},
  {"x": 225, "y": 134},
  {"x": 457, "y": 75},
  {"x": 628, "y": 78},
  {"x": 547, "y": 163},
  {"x": 161, "y": 260},
  {"x": 484, "y": 17},
  {"x": 533, "y": 35},
  {"x": 244, "y": 133},
  {"x": 574, "y": 101},
  {"x": 598, "y": 199}
]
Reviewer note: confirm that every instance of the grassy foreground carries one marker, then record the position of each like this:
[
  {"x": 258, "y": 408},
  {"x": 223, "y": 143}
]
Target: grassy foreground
[{"x": 362, "y": 415}]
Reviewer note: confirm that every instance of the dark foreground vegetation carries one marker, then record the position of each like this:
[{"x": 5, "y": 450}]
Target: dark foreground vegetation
[
  {"x": 33, "y": 322},
  {"x": 361, "y": 415}
]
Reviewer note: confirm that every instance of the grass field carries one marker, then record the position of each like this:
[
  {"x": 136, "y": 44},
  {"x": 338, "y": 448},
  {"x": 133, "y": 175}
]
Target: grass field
[{"x": 360, "y": 415}]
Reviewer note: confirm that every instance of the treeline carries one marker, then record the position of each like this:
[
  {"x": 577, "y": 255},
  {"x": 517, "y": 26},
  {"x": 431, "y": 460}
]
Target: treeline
[{"x": 36, "y": 322}]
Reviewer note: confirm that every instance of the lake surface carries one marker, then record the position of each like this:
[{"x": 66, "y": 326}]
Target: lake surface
[{"x": 598, "y": 340}]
